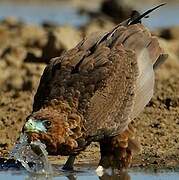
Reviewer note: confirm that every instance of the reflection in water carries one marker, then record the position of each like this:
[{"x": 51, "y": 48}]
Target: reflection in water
[
  {"x": 72, "y": 177},
  {"x": 39, "y": 13},
  {"x": 34, "y": 158},
  {"x": 39, "y": 177},
  {"x": 121, "y": 176},
  {"x": 114, "y": 176}
]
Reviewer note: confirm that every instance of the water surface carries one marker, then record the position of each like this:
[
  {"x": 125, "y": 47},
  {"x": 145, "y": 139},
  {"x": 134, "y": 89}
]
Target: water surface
[
  {"x": 66, "y": 14},
  {"x": 36, "y": 14},
  {"x": 89, "y": 173},
  {"x": 165, "y": 16}
]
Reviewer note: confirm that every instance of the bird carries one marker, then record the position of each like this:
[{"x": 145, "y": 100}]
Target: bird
[{"x": 94, "y": 91}]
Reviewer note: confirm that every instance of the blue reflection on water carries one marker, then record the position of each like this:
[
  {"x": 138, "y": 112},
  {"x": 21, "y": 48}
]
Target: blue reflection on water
[
  {"x": 164, "y": 17},
  {"x": 90, "y": 174},
  {"x": 65, "y": 14},
  {"x": 37, "y": 14}
]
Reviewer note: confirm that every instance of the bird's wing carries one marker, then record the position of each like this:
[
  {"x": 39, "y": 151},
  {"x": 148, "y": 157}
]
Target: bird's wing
[
  {"x": 89, "y": 43},
  {"x": 149, "y": 56},
  {"x": 58, "y": 64},
  {"x": 43, "y": 90},
  {"x": 130, "y": 87},
  {"x": 111, "y": 77}
]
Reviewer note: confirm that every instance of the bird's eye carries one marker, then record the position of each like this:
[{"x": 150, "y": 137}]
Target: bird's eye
[{"x": 47, "y": 124}]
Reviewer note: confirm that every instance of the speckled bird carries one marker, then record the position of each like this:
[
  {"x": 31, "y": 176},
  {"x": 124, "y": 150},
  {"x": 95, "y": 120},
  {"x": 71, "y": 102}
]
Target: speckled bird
[{"x": 94, "y": 91}]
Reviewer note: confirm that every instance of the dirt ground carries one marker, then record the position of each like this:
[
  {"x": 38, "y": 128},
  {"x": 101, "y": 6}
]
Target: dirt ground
[{"x": 20, "y": 69}]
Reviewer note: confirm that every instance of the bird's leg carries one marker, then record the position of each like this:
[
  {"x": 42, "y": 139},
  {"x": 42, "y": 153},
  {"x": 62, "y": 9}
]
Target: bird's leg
[
  {"x": 117, "y": 151},
  {"x": 69, "y": 163}
]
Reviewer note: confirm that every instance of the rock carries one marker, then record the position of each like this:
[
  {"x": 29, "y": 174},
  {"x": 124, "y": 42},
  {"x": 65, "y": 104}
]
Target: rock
[
  {"x": 4, "y": 38},
  {"x": 12, "y": 22},
  {"x": 49, "y": 24},
  {"x": 32, "y": 76},
  {"x": 60, "y": 39},
  {"x": 101, "y": 26},
  {"x": 14, "y": 56},
  {"x": 113, "y": 10},
  {"x": 14, "y": 80},
  {"x": 3, "y": 72},
  {"x": 67, "y": 36},
  {"x": 169, "y": 33},
  {"x": 33, "y": 36},
  {"x": 34, "y": 55},
  {"x": 118, "y": 10}
]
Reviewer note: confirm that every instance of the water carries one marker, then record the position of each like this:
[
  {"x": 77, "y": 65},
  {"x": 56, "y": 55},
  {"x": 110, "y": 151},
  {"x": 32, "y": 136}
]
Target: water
[
  {"x": 66, "y": 14},
  {"x": 32, "y": 156},
  {"x": 165, "y": 16},
  {"x": 34, "y": 159},
  {"x": 36, "y": 14},
  {"x": 88, "y": 173}
]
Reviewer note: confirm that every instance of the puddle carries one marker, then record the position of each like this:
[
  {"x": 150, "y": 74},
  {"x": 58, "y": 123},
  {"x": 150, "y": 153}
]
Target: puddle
[
  {"x": 13, "y": 170},
  {"x": 84, "y": 172},
  {"x": 33, "y": 158}
]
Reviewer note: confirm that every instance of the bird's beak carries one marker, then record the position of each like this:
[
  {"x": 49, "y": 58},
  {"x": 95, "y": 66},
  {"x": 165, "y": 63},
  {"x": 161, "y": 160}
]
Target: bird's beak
[{"x": 34, "y": 126}]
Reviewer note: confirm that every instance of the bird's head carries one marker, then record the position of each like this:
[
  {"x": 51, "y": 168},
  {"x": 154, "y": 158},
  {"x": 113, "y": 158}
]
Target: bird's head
[{"x": 52, "y": 128}]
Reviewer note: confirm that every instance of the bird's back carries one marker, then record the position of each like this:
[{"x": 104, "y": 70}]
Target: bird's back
[{"x": 108, "y": 78}]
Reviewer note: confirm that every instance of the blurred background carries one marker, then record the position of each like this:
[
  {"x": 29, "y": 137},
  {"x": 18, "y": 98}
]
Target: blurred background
[{"x": 34, "y": 31}]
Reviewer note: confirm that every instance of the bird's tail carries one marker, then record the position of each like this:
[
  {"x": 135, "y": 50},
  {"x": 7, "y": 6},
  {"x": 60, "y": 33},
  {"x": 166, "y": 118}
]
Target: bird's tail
[{"x": 136, "y": 17}]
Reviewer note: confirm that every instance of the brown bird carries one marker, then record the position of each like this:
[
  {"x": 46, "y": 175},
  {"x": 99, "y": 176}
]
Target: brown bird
[{"x": 92, "y": 92}]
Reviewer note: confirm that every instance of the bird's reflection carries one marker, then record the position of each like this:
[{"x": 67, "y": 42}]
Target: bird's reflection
[
  {"x": 72, "y": 177},
  {"x": 58, "y": 174},
  {"x": 115, "y": 176},
  {"x": 105, "y": 176}
]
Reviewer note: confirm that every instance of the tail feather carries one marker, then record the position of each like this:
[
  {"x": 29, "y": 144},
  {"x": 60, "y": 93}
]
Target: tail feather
[{"x": 135, "y": 20}]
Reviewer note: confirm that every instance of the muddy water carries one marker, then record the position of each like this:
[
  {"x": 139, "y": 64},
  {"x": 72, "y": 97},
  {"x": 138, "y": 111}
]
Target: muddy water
[{"x": 89, "y": 173}]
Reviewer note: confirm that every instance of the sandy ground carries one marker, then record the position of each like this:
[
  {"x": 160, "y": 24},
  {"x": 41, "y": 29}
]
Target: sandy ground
[{"x": 157, "y": 127}]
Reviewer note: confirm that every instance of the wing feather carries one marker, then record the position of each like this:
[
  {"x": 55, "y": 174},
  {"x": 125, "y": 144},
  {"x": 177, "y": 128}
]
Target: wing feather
[{"x": 112, "y": 75}]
